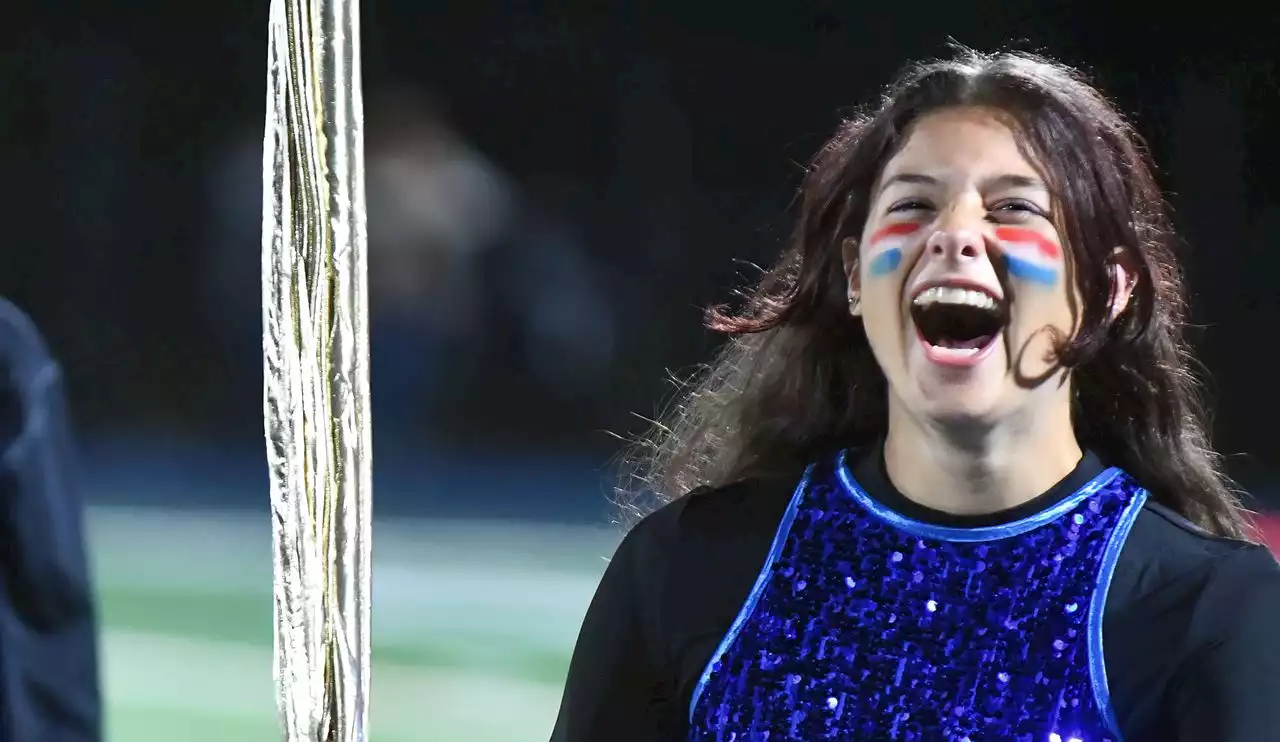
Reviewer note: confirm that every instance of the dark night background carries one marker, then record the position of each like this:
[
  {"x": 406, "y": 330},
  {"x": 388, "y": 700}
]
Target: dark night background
[
  {"x": 648, "y": 148},
  {"x": 555, "y": 191}
]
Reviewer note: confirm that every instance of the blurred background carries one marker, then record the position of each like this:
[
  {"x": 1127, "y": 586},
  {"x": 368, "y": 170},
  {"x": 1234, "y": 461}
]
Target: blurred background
[{"x": 555, "y": 191}]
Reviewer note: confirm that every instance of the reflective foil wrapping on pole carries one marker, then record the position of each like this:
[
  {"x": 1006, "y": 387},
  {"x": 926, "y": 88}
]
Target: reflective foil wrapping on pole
[{"x": 315, "y": 351}]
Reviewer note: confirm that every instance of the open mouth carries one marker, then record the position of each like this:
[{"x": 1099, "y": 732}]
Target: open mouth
[{"x": 961, "y": 321}]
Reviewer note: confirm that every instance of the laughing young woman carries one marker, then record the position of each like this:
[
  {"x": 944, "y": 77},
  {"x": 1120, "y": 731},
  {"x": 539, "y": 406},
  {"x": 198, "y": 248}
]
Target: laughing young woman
[{"x": 950, "y": 478}]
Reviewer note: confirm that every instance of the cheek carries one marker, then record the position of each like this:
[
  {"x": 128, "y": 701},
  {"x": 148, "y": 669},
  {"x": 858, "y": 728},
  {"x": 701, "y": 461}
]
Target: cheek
[
  {"x": 879, "y": 300},
  {"x": 884, "y": 263},
  {"x": 1044, "y": 320},
  {"x": 1053, "y": 308},
  {"x": 1045, "y": 276},
  {"x": 1032, "y": 258},
  {"x": 882, "y": 318},
  {"x": 885, "y": 247}
]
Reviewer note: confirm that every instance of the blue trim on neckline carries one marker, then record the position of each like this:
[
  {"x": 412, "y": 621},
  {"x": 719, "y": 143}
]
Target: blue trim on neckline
[
  {"x": 757, "y": 590},
  {"x": 968, "y": 535},
  {"x": 1098, "y": 606}
]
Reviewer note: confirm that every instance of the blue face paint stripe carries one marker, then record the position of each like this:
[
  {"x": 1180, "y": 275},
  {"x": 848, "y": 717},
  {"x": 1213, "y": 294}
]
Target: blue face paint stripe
[
  {"x": 886, "y": 262},
  {"x": 1028, "y": 271}
]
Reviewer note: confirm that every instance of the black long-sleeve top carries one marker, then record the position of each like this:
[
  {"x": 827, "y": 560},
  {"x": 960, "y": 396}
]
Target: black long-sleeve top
[{"x": 1191, "y": 622}]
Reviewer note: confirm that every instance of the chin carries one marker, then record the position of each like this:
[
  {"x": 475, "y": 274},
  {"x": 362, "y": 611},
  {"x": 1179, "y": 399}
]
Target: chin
[
  {"x": 961, "y": 406},
  {"x": 955, "y": 418}
]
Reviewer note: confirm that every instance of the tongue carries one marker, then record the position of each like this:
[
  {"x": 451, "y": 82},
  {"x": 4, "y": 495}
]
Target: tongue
[{"x": 971, "y": 344}]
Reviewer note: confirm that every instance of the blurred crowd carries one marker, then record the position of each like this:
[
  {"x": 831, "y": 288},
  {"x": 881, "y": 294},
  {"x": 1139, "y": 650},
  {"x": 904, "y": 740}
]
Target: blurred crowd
[
  {"x": 483, "y": 294},
  {"x": 552, "y": 202}
]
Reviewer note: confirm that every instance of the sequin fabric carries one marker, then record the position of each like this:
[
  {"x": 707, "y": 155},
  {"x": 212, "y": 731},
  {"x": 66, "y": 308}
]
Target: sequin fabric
[{"x": 867, "y": 626}]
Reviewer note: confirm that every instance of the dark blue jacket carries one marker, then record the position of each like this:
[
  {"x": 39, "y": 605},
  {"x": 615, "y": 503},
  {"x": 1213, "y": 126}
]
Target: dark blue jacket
[{"x": 49, "y": 686}]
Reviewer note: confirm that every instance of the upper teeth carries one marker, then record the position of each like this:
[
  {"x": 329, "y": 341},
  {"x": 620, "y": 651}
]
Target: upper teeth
[{"x": 950, "y": 295}]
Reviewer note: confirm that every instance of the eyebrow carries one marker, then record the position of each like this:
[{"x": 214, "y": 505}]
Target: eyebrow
[
  {"x": 908, "y": 178},
  {"x": 1013, "y": 181},
  {"x": 994, "y": 182}
]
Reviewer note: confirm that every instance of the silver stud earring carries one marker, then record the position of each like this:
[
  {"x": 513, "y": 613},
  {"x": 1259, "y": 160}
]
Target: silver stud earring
[{"x": 855, "y": 302}]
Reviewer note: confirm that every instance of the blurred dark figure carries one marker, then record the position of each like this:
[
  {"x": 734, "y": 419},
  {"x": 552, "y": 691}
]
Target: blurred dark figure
[
  {"x": 436, "y": 206},
  {"x": 490, "y": 320},
  {"x": 48, "y": 642}
]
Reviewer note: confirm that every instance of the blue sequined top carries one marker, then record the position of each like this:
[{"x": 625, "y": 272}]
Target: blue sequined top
[{"x": 867, "y": 625}]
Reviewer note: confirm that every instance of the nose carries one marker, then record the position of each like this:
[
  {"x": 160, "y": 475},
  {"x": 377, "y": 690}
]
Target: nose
[{"x": 959, "y": 245}]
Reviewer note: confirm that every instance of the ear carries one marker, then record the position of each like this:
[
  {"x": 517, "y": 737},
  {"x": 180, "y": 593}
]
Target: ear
[
  {"x": 849, "y": 256},
  {"x": 1122, "y": 269}
]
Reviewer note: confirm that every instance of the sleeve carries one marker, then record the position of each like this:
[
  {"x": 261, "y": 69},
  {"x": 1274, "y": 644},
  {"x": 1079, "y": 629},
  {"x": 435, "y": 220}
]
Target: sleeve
[
  {"x": 1228, "y": 688},
  {"x": 617, "y": 688},
  {"x": 48, "y": 653}
]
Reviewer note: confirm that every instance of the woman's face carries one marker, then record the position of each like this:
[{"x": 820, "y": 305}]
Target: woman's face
[{"x": 963, "y": 277}]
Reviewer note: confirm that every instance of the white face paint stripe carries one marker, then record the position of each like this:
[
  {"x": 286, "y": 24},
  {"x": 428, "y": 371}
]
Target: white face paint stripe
[
  {"x": 886, "y": 245},
  {"x": 1031, "y": 256}
]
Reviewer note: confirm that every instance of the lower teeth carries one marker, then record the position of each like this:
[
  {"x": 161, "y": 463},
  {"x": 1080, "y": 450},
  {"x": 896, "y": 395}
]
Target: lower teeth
[{"x": 973, "y": 344}]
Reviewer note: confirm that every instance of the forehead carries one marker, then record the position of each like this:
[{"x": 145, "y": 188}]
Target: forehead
[{"x": 961, "y": 144}]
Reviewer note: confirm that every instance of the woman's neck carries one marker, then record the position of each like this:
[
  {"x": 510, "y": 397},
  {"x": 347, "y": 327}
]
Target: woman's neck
[{"x": 975, "y": 472}]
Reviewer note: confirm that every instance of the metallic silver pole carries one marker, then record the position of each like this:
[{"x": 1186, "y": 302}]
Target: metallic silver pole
[{"x": 316, "y": 351}]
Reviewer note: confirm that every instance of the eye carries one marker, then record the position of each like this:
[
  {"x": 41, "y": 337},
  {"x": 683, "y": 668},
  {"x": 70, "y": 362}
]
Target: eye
[
  {"x": 1017, "y": 208},
  {"x": 909, "y": 204}
]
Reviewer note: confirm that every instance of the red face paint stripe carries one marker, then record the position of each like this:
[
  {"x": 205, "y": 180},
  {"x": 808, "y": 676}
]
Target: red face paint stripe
[
  {"x": 894, "y": 230},
  {"x": 1046, "y": 246}
]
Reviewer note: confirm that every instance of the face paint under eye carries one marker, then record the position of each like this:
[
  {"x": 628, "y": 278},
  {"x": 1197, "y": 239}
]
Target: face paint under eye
[
  {"x": 884, "y": 249},
  {"x": 1031, "y": 256}
]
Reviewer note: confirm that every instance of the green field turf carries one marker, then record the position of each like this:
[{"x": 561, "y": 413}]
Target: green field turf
[{"x": 473, "y": 625}]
